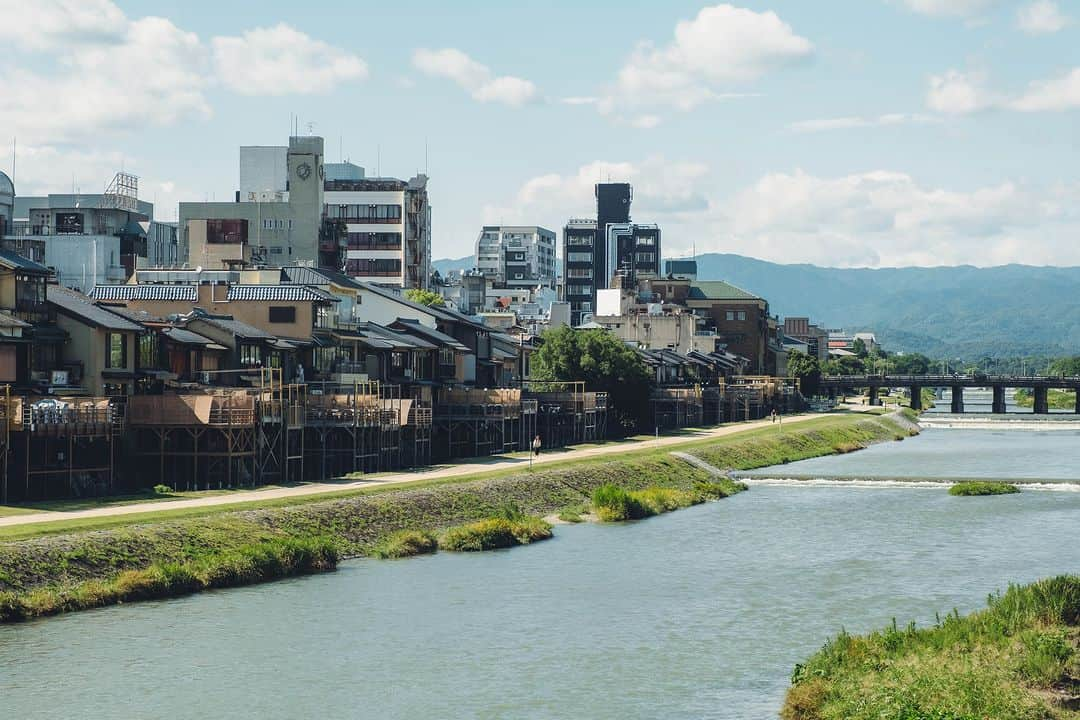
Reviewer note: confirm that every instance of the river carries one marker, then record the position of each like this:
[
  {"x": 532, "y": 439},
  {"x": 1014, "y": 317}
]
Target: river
[{"x": 701, "y": 613}]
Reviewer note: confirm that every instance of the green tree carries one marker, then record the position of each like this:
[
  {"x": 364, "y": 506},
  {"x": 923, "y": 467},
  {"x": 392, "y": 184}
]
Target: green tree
[
  {"x": 845, "y": 365},
  {"x": 911, "y": 364},
  {"x": 1065, "y": 366},
  {"x": 859, "y": 347},
  {"x": 425, "y": 297},
  {"x": 605, "y": 364},
  {"x": 806, "y": 369}
]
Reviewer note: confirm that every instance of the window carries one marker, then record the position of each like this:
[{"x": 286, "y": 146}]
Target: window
[
  {"x": 149, "y": 350},
  {"x": 373, "y": 241},
  {"x": 397, "y": 360},
  {"x": 366, "y": 267},
  {"x": 115, "y": 350},
  {"x": 579, "y": 272},
  {"x": 250, "y": 355},
  {"x": 283, "y": 314},
  {"x": 579, "y": 257},
  {"x": 365, "y": 213},
  {"x": 730, "y": 315},
  {"x": 742, "y": 314},
  {"x": 646, "y": 241},
  {"x": 446, "y": 356}
]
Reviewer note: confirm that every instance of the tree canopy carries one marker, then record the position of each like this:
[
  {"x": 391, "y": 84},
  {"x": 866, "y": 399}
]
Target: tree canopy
[
  {"x": 806, "y": 369},
  {"x": 425, "y": 297},
  {"x": 1065, "y": 366},
  {"x": 605, "y": 364},
  {"x": 910, "y": 364}
]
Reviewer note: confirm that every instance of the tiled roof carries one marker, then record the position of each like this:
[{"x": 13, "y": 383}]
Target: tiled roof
[
  {"x": 278, "y": 293},
  {"x": 14, "y": 261},
  {"x": 719, "y": 290},
  {"x": 185, "y": 293},
  {"x": 413, "y": 327},
  {"x": 186, "y": 337},
  {"x": 236, "y": 327},
  {"x": 78, "y": 305}
]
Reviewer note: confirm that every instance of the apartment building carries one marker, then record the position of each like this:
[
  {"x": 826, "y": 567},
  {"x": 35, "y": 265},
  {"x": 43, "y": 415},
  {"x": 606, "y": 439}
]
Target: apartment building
[{"x": 516, "y": 255}]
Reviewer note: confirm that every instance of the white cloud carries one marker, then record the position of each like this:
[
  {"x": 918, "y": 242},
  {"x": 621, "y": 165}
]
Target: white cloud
[
  {"x": 1041, "y": 17},
  {"x": 886, "y": 218},
  {"x": 281, "y": 60},
  {"x": 1062, "y": 93},
  {"x": 951, "y": 8},
  {"x": 154, "y": 74},
  {"x": 957, "y": 93},
  {"x": 875, "y": 218},
  {"x": 662, "y": 189},
  {"x": 50, "y": 24},
  {"x": 858, "y": 121},
  {"x": 477, "y": 79},
  {"x": 722, "y": 47}
]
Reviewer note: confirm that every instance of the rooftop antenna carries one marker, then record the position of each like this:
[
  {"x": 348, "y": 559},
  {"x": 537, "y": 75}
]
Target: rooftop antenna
[{"x": 311, "y": 128}]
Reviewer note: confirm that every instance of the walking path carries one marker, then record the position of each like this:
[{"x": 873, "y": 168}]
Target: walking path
[{"x": 478, "y": 466}]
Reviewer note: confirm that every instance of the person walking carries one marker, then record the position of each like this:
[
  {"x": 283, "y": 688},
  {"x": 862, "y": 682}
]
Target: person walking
[
  {"x": 536, "y": 446},
  {"x": 772, "y": 415}
]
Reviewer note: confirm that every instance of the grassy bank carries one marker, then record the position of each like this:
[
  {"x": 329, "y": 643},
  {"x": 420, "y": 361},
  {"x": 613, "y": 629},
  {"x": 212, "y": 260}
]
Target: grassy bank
[
  {"x": 973, "y": 488},
  {"x": 1055, "y": 399},
  {"x": 66, "y": 560},
  {"x": 1017, "y": 660}
]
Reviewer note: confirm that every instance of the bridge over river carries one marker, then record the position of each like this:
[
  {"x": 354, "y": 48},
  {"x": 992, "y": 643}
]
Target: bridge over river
[{"x": 834, "y": 385}]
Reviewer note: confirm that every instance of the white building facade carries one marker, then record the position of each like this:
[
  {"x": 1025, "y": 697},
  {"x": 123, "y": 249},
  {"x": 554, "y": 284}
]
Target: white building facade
[{"x": 516, "y": 255}]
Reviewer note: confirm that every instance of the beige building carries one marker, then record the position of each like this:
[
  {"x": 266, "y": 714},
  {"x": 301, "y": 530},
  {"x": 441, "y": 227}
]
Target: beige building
[{"x": 101, "y": 345}]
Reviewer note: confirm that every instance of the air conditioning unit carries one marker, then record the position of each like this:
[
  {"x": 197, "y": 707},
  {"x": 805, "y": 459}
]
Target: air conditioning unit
[{"x": 59, "y": 377}]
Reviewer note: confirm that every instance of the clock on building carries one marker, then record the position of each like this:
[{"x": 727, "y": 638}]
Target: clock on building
[{"x": 303, "y": 171}]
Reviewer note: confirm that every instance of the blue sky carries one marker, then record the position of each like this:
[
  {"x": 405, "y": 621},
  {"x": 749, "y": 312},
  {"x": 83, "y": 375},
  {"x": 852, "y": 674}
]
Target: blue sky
[{"x": 877, "y": 132}]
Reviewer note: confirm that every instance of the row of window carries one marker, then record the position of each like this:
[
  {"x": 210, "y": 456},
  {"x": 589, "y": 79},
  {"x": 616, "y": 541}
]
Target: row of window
[
  {"x": 276, "y": 224},
  {"x": 365, "y": 213},
  {"x": 374, "y": 240},
  {"x": 369, "y": 267},
  {"x": 735, "y": 315},
  {"x": 579, "y": 273},
  {"x": 572, "y": 289},
  {"x": 644, "y": 257},
  {"x": 579, "y": 257}
]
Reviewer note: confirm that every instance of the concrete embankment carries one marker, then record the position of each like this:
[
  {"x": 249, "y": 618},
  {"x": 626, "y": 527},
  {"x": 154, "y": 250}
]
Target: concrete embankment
[{"x": 179, "y": 555}]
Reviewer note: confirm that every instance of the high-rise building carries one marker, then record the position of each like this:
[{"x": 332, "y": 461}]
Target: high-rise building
[
  {"x": 617, "y": 248},
  {"x": 294, "y": 208},
  {"x": 579, "y": 262},
  {"x": 516, "y": 255}
]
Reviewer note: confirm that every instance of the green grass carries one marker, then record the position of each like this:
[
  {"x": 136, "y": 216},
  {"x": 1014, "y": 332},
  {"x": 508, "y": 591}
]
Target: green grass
[
  {"x": 612, "y": 503},
  {"x": 719, "y": 489},
  {"x": 573, "y": 513},
  {"x": 60, "y": 557},
  {"x": 982, "y": 487},
  {"x": 1055, "y": 399},
  {"x": 242, "y": 566},
  {"x": 404, "y": 543},
  {"x": 494, "y": 533},
  {"x": 1017, "y": 660}
]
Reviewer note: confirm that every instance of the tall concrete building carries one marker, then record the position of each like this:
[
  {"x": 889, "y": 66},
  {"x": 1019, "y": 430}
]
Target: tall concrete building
[
  {"x": 89, "y": 239},
  {"x": 516, "y": 255},
  {"x": 294, "y": 208},
  {"x": 617, "y": 248}
]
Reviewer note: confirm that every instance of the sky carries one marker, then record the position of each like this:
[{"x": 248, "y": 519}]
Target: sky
[{"x": 848, "y": 133}]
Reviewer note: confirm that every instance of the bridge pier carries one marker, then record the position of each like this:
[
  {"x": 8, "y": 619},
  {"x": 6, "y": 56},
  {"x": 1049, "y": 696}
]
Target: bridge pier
[
  {"x": 916, "y": 397},
  {"x": 958, "y": 399},
  {"x": 1077, "y": 401},
  {"x": 999, "y": 400},
  {"x": 1042, "y": 405},
  {"x": 873, "y": 392}
]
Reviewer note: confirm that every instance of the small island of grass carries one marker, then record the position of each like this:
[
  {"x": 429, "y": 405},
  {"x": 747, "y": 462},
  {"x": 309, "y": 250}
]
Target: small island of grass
[{"x": 983, "y": 487}]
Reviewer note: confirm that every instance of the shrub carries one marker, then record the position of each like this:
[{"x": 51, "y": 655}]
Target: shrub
[
  {"x": 718, "y": 489},
  {"x": 405, "y": 543},
  {"x": 494, "y": 533},
  {"x": 974, "y": 488},
  {"x": 657, "y": 500},
  {"x": 161, "y": 489},
  {"x": 612, "y": 503}
]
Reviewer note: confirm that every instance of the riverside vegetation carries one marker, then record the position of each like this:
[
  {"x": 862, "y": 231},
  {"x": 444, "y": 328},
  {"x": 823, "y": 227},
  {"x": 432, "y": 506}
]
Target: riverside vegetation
[
  {"x": 1017, "y": 660},
  {"x": 982, "y": 487},
  {"x": 65, "y": 566}
]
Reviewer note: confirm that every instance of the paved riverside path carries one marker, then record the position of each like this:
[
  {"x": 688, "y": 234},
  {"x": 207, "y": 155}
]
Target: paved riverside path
[{"x": 479, "y": 466}]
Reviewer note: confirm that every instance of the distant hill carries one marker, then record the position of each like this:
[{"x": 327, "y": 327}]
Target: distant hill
[
  {"x": 962, "y": 311},
  {"x": 947, "y": 312},
  {"x": 446, "y": 265}
]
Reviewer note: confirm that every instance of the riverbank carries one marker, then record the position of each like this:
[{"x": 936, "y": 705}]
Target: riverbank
[
  {"x": 175, "y": 554},
  {"x": 1016, "y": 660}
]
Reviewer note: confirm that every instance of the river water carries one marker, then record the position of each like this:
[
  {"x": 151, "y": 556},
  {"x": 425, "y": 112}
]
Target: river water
[{"x": 701, "y": 613}]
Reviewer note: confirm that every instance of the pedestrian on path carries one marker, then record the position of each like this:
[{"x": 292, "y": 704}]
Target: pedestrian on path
[{"x": 536, "y": 446}]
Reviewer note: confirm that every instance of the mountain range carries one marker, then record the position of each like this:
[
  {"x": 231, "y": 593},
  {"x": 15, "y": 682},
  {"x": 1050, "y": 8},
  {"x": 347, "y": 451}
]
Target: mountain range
[{"x": 945, "y": 312}]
